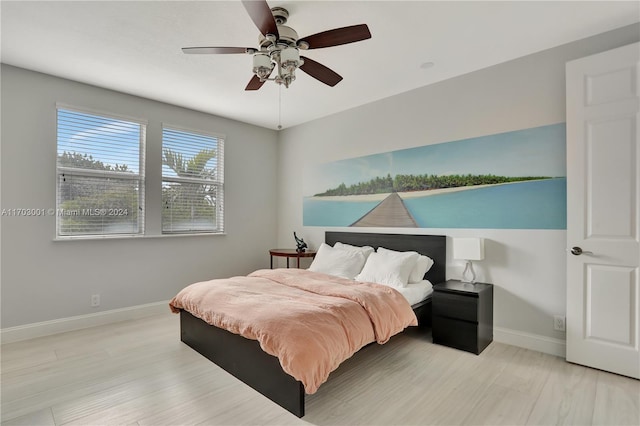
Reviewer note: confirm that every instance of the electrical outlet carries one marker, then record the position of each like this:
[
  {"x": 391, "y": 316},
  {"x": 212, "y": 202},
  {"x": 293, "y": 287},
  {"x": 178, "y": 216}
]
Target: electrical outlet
[
  {"x": 558, "y": 323},
  {"x": 95, "y": 300}
]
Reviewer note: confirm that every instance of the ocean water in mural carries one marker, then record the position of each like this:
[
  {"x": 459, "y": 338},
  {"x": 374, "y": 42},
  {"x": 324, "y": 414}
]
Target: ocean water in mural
[
  {"x": 522, "y": 205},
  {"x": 512, "y": 180},
  {"x": 319, "y": 212}
]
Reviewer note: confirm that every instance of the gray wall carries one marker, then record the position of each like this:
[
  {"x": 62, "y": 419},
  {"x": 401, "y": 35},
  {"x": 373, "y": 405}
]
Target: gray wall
[
  {"x": 43, "y": 279},
  {"x": 527, "y": 266}
]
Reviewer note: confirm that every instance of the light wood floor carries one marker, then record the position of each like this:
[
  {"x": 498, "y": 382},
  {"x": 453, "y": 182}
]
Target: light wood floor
[{"x": 138, "y": 373}]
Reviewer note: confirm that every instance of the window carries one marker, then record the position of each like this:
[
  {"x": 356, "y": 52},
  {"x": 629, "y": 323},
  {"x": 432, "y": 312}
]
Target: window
[
  {"x": 100, "y": 175},
  {"x": 192, "y": 182}
]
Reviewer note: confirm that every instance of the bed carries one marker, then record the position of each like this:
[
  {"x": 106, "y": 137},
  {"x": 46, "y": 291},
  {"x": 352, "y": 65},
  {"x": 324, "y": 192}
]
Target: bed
[{"x": 245, "y": 359}]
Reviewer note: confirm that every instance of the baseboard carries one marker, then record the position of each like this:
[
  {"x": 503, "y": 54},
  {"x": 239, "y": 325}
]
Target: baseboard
[
  {"x": 521, "y": 339},
  {"x": 62, "y": 325},
  {"x": 536, "y": 342}
]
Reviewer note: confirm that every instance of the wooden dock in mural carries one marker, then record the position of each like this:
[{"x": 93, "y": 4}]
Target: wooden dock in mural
[{"x": 391, "y": 212}]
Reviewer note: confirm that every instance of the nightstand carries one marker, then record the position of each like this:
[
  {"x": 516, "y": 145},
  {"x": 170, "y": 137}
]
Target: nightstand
[
  {"x": 463, "y": 315},
  {"x": 290, "y": 253}
]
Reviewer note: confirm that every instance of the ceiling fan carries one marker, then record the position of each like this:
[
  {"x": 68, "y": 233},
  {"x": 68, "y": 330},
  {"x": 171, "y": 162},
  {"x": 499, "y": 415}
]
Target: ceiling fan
[{"x": 280, "y": 47}]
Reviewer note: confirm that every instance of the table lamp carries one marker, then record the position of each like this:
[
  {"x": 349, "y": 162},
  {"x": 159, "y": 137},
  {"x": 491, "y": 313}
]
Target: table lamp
[{"x": 468, "y": 249}]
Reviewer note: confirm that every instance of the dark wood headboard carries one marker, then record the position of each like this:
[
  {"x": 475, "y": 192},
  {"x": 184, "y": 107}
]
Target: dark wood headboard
[{"x": 434, "y": 246}]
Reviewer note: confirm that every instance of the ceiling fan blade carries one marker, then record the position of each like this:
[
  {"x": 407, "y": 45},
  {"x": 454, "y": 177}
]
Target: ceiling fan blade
[
  {"x": 337, "y": 36},
  {"x": 217, "y": 50},
  {"x": 320, "y": 72},
  {"x": 261, "y": 15},
  {"x": 254, "y": 83}
]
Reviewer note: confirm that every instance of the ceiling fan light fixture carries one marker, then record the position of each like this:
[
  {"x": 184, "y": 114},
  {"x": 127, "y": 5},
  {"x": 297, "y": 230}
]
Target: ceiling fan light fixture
[
  {"x": 290, "y": 57},
  {"x": 288, "y": 61},
  {"x": 262, "y": 65}
]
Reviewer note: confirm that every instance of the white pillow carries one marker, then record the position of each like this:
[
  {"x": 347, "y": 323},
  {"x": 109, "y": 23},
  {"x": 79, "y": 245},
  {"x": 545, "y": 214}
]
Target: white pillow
[
  {"x": 366, "y": 250},
  {"x": 338, "y": 262},
  {"x": 392, "y": 270},
  {"x": 422, "y": 265}
]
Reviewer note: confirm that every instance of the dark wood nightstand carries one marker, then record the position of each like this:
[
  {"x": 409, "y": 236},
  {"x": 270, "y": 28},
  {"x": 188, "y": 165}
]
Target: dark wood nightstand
[
  {"x": 463, "y": 315},
  {"x": 290, "y": 253}
]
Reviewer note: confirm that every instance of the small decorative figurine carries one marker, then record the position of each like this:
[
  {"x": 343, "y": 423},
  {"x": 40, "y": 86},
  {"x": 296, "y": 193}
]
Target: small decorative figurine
[{"x": 300, "y": 244}]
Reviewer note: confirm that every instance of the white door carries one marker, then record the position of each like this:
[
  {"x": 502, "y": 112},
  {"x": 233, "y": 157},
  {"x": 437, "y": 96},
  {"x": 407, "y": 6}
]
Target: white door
[{"x": 603, "y": 211}]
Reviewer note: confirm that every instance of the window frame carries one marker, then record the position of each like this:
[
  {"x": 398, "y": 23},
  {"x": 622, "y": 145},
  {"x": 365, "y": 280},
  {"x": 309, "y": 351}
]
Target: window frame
[
  {"x": 218, "y": 182},
  {"x": 140, "y": 177}
]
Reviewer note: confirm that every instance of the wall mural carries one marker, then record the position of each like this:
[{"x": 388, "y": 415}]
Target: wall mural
[{"x": 512, "y": 180}]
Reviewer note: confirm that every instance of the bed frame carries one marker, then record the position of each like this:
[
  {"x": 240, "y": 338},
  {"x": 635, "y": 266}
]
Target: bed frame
[{"x": 244, "y": 358}]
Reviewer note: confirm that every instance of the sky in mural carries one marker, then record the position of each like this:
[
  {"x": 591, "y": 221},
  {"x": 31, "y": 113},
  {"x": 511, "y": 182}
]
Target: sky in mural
[{"x": 538, "y": 151}]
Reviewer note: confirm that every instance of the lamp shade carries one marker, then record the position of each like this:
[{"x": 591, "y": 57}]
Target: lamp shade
[
  {"x": 290, "y": 54},
  {"x": 468, "y": 248}
]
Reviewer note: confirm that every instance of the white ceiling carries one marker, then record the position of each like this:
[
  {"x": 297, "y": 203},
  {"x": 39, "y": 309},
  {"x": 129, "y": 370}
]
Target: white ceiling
[{"x": 134, "y": 47}]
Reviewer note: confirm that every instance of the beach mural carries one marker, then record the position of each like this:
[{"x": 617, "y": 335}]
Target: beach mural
[{"x": 512, "y": 180}]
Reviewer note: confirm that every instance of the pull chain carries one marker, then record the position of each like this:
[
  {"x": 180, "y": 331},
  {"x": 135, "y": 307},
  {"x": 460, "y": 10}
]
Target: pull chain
[{"x": 279, "y": 106}]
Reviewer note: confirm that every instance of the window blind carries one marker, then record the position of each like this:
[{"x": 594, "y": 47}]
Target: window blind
[
  {"x": 192, "y": 182},
  {"x": 100, "y": 175}
]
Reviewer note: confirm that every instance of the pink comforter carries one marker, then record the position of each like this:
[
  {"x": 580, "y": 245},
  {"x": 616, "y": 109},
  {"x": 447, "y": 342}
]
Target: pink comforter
[{"x": 310, "y": 321}]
